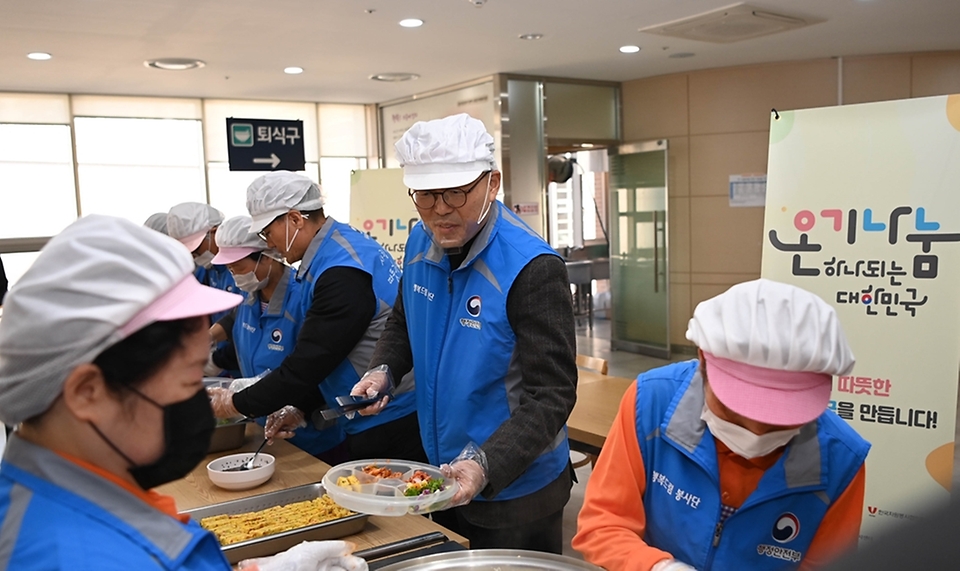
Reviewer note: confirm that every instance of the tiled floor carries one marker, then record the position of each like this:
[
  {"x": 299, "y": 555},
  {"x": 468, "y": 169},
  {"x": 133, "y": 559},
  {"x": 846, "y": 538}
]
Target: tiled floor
[{"x": 629, "y": 365}]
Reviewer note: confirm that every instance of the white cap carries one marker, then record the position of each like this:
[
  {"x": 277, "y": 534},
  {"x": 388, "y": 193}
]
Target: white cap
[
  {"x": 236, "y": 241},
  {"x": 96, "y": 283},
  {"x": 189, "y": 222},
  {"x": 279, "y": 192},
  {"x": 157, "y": 222},
  {"x": 445, "y": 153},
  {"x": 773, "y": 325}
]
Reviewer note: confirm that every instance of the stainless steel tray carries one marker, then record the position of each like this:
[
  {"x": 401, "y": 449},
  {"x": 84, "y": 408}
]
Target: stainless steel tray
[
  {"x": 493, "y": 560},
  {"x": 228, "y": 436},
  {"x": 281, "y": 541}
]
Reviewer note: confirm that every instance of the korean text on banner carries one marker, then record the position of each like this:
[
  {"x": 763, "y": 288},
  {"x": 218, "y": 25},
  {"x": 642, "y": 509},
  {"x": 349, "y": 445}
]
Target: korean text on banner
[
  {"x": 863, "y": 209},
  {"x": 380, "y": 206}
]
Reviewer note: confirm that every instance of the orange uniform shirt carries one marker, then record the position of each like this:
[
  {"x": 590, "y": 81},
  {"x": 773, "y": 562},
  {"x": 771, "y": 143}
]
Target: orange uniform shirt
[
  {"x": 612, "y": 522},
  {"x": 165, "y": 504}
]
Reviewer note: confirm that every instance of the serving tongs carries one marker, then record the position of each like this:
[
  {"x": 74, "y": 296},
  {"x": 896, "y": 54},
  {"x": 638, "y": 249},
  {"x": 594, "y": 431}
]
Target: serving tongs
[{"x": 349, "y": 403}]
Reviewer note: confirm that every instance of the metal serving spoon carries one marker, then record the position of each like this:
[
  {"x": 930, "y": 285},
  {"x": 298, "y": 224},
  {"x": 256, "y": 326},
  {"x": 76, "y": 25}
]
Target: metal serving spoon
[{"x": 248, "y": 465}]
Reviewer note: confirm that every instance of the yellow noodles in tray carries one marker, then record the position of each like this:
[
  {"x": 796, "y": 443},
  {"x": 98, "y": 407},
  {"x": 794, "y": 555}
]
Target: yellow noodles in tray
[{"x": 231, "y": 529}]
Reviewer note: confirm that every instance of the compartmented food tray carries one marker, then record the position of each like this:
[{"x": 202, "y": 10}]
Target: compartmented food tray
[
  {"x": 352, "y": 487},
  {"x": 275, "y": 543}
]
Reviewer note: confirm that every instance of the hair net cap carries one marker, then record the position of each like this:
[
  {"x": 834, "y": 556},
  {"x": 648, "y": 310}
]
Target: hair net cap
[
  {"x": 236, "y": 241},
  {"x": 157, "y": 222},
  {"x": 445, "y": 153},
  {"x": 189, "y": 222},
  {"x": 279, "y": 192},
  {"x": 771, "y": 350},
  {"x": 97, "y": 282}
]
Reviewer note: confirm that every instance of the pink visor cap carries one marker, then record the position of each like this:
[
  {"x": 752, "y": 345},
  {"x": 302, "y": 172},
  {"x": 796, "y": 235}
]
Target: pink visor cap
[
  {"x": 236, "y": 241},
  {"x": 771, "y": 350},
  {"x": 770, "y": 396},
  {"x": 189, "y": 298},
  {"x": 230, "y": 255}
]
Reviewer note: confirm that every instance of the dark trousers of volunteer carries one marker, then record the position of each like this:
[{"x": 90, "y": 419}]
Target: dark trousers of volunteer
[
  {"x": 544, "y": 534},
  {"x": 398, "y": 439}
]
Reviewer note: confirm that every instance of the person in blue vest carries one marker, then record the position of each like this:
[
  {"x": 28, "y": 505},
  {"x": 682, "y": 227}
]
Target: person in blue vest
[
  {"x": 733, "y": 461},
  {"x": 485, "y": 318},
  {"x": 263, "y": 329},
  {"x": 348, "y": 284}
]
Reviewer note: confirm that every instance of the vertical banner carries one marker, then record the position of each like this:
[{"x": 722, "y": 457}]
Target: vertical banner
[
  {"x": 863, "y": 209},
  {"x": 379, "y": 206}
]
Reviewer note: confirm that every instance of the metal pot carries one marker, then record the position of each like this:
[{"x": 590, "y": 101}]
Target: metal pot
[{"x": 493, "y": 560}]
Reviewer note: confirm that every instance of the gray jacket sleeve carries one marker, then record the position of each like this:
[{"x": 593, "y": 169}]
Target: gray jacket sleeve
[{"x": 540, "y": 312}]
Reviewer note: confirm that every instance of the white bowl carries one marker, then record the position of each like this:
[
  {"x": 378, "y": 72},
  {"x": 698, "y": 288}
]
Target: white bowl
[{"x": 261, "y": 472}]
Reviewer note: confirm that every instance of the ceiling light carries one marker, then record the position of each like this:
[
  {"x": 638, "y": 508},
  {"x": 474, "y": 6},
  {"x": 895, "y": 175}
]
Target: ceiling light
[
  {"x": 411, "y": 23},
  {"x": 586, "y": 145},
  {"x": 394, "y": 76},
  {"x": 629, "y": 49},
  {"x": 174, "y": 63},
  {"x": 531, "y": 36},
  {"x": 39, "y": 56},
  {"x": 681, "y": 55},
  {"x": 293, "y": 70}
]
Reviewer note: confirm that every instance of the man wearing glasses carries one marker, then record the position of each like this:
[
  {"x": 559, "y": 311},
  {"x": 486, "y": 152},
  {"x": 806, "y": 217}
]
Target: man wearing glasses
[
  {"x": 348, "y": 284},
  {"x": 485, "y": 318}
]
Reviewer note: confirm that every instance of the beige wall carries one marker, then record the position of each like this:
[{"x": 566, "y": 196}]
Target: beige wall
[{"x": 717, "y": 123}]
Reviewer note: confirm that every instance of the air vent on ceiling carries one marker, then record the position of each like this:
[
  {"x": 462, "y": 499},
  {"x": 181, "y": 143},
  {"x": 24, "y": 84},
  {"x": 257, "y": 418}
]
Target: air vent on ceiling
[{"x": 733, "y": 23}]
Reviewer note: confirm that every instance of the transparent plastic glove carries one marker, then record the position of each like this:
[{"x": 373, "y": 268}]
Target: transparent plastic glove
[
  {"x": 376, "y": 380},
  {"x": 211, "y": 369},
  {"x": 672, "y": 565},
  {"x": 284, "y": 422},
  {"x": 239, "y": 384},
  {"x": 310, "y": 556},
  {"x": 221, "y": 401},
  {"x": 469, "y": 469}
]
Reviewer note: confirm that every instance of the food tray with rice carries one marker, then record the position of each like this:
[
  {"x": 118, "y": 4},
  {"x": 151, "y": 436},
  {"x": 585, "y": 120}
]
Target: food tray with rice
[
  {"x": 269, "y": 523},
  {"x": 389, "y": 487}
]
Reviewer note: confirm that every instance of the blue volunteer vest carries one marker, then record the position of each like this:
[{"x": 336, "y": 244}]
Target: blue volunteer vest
[
  {"x": 340, "y": 245},
  {"x": 263, "y": 341},
  {"x": 775, "y": 525},
  {"x": 468, "y": 376},
  {"x": 218, "y": 277}
]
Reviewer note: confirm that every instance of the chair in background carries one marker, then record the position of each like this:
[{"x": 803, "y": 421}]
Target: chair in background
[
  {"x": 593, "y": 363},
  {"x": 599, "y": 365}
]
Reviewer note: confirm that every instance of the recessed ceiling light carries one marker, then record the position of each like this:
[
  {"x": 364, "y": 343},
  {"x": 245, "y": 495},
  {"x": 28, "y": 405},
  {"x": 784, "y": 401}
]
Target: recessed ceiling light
[
  {"x": 411, "y": 23},
  {"x": 531, "y": 36},
  {"x": 39, "y": 56},
  {"x": 174, "y": 63},
  {"x": 629, "y": 49},
  {"x": 394, "y": 76},
  {"x": 293, "y": 70},
  {"x": 586, "y": 145},
  {"x": 681, "y": 55}
]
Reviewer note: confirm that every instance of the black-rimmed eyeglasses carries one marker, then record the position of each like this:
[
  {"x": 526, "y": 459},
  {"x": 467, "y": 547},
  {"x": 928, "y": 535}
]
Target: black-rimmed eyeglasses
[{"x": 453, "y": 197}]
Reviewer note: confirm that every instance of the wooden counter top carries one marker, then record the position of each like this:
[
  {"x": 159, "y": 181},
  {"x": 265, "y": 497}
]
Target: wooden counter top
[
  {"x": 294, "y": 468},
  {"x": 598, "y": 400}
]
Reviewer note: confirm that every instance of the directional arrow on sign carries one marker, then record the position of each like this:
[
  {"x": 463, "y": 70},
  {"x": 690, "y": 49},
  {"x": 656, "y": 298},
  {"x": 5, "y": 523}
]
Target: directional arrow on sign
[{"x": 273, "y": 160}]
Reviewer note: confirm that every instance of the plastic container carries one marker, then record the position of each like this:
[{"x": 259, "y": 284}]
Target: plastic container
[
  {"x": 379, "y": 496},
  {"x": 262, "y": 470}
]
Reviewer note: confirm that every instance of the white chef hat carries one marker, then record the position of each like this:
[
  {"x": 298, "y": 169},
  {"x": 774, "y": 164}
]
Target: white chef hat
[
  {"x": 157, "y": 222},
  {"x": 279, "y": 192},
  {"x": 189, "y": 222},
  {"x": 445, "y": 153},
  {"x": 236, "y": 241},
  {"x": 97, "y": 282},
  {"x": 771, "y": 350}
]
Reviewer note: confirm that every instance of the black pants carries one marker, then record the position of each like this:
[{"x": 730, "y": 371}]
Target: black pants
[
  {"x": 544, "y": 534},
  {"x": 398, "y": 439}
]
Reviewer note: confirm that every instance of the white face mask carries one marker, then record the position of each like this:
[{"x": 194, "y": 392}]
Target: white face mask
[
  {"x": 287, "y": 239},
  {"x": 204, "y": 260},
  {"x": 249, "y": 283},
  {"x": 743, "y": 442}
]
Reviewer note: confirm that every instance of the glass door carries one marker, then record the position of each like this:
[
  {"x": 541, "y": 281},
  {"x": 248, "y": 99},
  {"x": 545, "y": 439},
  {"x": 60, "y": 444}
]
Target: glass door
[{"x": 638, "y": 249}]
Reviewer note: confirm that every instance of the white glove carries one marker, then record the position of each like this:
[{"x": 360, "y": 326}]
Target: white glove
[
  {"x": 377, "y": 380},
  {"x": 310, "y": 556},
  {"x": 672, "y": 565}
]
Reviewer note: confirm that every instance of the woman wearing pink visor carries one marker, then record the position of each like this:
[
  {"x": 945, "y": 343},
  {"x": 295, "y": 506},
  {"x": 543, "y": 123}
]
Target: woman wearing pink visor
[
  {"x": 733, "y": 461},
  {"x": 102, "y": 346}
]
